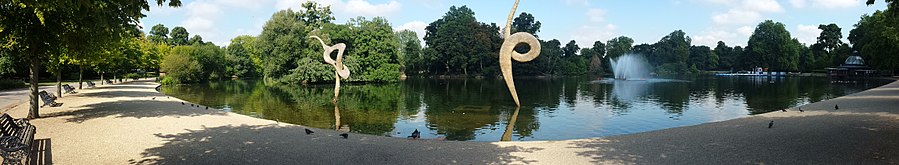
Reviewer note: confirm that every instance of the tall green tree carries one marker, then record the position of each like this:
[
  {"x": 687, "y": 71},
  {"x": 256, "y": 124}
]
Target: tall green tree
[
  {"x": 876, "y": 38},
  {"x": 672, "y": 49},
  {"x": 771, "y": 46},
  {"x": 726, "y": 56},
  {"x": 159, "y": 34},
  {"x": 618, "y": 46},
  {"x": 179, "y": 36},
  {"x": 196, "y": 40},
  {"x": 702, "y": 58},
  {"x": 403, "y": 37}
]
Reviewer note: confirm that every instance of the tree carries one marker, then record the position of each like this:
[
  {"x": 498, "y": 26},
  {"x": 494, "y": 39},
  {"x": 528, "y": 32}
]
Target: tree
[
  {"x": 526, "y": 23},
  {"x": 196, "y": 40},
  {"x": 452, "y": 37},
  {"x": 243, "y": 61},
  {"x": 875, "y": 37},
  {"x": 618, "y": 46},
  {"x": 826, "y": 49},
  {"x": 41, "y": 29},
  {"x": 726, "y": 56},
  {"x": 159, "y": 34},
  {"x": 702, "y": 58},
  {"x": 596, "y": 54},
  {"x": 771, "y": 46},
  {"x": 403, "y": 37},
  {"x": 673, "y": 48},
  {"x": 284, "y": 47},
  {"x": 315, "y": 15},
  {"x": 179, "y": 36}
]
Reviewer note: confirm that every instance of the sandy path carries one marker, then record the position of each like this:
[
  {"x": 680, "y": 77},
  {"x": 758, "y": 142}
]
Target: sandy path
[{"x": 124, "y": 124}]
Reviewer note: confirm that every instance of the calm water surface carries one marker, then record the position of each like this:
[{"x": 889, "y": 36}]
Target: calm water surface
[{"x": 552, "y": 109}]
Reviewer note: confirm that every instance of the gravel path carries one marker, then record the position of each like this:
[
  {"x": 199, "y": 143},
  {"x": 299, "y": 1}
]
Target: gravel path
[{"x": 130, "y": 123}]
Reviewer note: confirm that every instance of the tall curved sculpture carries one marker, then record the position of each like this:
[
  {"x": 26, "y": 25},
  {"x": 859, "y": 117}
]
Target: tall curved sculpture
[
  {"x": 340, "y": 70},
  {"x": 507, "y": 52}
]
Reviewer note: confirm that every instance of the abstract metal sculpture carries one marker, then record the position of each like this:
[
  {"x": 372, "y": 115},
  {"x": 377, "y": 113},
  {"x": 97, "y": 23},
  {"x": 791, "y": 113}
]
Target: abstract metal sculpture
[
  {"x": 340, "y": 70},
  {"x": 507, "y": 52}
]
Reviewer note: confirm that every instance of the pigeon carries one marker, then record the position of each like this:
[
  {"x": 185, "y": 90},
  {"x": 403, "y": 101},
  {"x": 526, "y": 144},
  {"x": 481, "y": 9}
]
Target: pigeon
[
  {"x": 771, "y": 124},
  {"x": 784, "y": 110},
  {"x": 415, "y": 134},
  {"x": 800, "y": 109},
  {"x": 182, "y": 103},
  {"x": 207, "y": 107},
  {"x": 191, "y": 105},
  {"x": 836, "y": 107},
  {"x": 308, "y": 131},
  {"x": 345, "y": 135},
  {"x": 154, "y": 98}
]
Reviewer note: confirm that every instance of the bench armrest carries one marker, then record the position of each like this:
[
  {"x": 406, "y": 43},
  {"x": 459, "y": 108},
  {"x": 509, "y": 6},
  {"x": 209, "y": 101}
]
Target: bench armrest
[{"x": 22, "y": 123}]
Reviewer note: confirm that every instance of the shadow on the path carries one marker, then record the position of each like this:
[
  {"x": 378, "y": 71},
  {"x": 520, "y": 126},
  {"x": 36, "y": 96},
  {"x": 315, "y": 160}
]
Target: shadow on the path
[
  {"x": 271, "y": 144},
  {"x": 132, "y": 108},
  {"x": 40, "y": 152},
  {"x": 114, "y": 94},
  {"x": 817, "y": 139}
]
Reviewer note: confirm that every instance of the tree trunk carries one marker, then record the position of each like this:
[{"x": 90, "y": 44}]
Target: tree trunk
[
  {"x": 102, "y": 81},
  {"x": 58, "y": 82},
  {"x": 80, "y": 76},
  {"x": 35, "y": 65}
]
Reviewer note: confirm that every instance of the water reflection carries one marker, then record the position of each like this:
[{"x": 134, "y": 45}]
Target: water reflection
[{"x": 479, "y": 110}]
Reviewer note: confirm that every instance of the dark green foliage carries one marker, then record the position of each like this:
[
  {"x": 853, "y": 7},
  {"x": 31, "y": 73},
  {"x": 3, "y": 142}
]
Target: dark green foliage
[
  {"x": 876, "y": 38},
  {"x": 179, "y": 36},
  {"x": 771, "y": 46},
  {"x": 159, "y": 34}
]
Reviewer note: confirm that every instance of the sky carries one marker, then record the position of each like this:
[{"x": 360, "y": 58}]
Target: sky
[{"x": 585, "y": 21}]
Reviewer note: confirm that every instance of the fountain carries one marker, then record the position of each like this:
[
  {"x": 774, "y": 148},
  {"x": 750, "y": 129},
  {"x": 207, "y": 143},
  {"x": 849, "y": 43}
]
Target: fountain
[{"x": 630, "y": 67}]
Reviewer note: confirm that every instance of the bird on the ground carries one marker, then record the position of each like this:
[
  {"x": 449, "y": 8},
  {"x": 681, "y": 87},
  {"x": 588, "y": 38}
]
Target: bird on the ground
[
  {"x": 191, "y": 105},
  {"x": 207, "y": 107},
  {"x": 836, "y": 106},
  {"x": 308, "y": 131},
  {"x": 345, "y": 135},
  {"x": 784, "y": 110},
  {"x": 415, "y": 134},
  {"x": 800, "y": 109},
  {"x": 771, "y": 124},
  {"x": 182, "y": 103},
  {"x": 154, "y": 98}
]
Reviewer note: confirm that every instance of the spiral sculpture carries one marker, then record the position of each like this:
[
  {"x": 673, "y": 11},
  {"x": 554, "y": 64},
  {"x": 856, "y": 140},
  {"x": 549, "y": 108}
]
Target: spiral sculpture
[
  {"x": 507, "y": 52},
  {"x": 340, "y": 70}
]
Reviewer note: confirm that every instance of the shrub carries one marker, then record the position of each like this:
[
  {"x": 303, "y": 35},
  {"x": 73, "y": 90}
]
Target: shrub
[
  {"x": 181, "y": 68},
  {"x": 10, "y": 84}
]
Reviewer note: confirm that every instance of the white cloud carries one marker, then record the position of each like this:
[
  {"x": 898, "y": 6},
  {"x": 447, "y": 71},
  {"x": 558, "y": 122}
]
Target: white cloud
[
  {"x": 417, "y": 26},
  {"x": 360, "y": 7},
  {"x": 711, "y": 38},
  {"x": 807, "y": 34},
  {"x": 831, "y": 4},
  {"x": 596, "y": 15},
  {"x": 762, "y": 5},
  {"x": 797, "y": 3},
  {"x": 737, "y": 17},
  {"x": 587, "y": 34},
  {"x": 746, "y": 31},
  {"x": 201, "y": 20}
]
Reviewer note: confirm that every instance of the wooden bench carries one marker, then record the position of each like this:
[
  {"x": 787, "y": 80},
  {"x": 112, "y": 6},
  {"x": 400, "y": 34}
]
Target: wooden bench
[
  {"x": 68, "y": 89},
  {"x": 16, "y": 137},
  {"x": 108, "y": 81},
  {"x": 49, "y": 99},
  {"x": 90, "y": 84}
]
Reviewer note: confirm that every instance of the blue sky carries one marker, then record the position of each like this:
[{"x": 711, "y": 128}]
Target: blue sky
[{"x": 585, "y": 21}]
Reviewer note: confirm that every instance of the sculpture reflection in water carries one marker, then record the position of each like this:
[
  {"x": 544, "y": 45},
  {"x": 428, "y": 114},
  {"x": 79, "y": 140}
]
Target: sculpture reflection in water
[
  {"x": 337, "y": 126},
  {"x": 340, "y": 70},
  {"x": 507, "y": 135},
  {"x": 507, "y": 52}
]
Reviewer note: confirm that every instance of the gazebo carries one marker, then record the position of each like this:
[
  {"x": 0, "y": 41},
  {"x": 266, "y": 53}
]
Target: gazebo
[{"x": 853, "y": 66}]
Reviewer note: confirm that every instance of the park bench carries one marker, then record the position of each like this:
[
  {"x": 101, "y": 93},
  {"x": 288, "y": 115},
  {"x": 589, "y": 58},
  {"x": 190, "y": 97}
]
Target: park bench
[
  {"x": 68, "y": 89},
  {"x": 108, "y": 81},
  {"x": 16, "y": 137},
  {"x": 90, "y": 84},
  {"x": 49, "y": 99}
]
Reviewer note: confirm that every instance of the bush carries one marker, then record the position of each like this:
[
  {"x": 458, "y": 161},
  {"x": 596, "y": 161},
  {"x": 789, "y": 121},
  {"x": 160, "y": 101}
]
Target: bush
[
  {"x": 132, "y": 76},
  {"x": 182, "y": 69},
  {"x": 10, "y": 84},
  {"x": 169, "y": 81}
]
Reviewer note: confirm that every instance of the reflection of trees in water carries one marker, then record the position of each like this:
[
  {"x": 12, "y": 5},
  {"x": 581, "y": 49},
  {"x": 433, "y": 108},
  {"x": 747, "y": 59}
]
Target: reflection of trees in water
[{"x": 375, "y": 108}]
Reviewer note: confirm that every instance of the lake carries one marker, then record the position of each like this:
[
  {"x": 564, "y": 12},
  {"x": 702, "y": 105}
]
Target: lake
[{"x": 552, "y": 109}]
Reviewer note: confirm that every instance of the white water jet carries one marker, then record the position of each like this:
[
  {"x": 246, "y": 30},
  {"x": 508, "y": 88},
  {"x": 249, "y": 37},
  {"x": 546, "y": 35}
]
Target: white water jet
[{"x": 630, "y": 67}]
